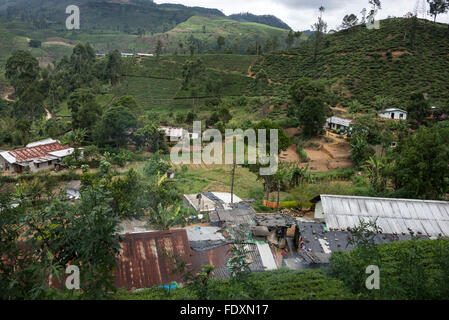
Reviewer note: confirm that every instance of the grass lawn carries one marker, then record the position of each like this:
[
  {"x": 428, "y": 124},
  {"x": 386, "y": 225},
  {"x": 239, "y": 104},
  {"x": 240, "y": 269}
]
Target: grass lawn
[{"x": 217, "y": 178}]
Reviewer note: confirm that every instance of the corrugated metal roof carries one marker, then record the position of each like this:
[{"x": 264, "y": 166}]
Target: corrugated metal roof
[
  {"x": 216, "y": 256},
  {"x": 173, "y": 132},
  {"x": 38, "y": 153},
  {"x": 274, "y": 220},
  {"x": 394, "y": 216},
  {"x": 41, "y": 142},
  {"x": 392, "y": 110},
  {"x": 267, "y": 256},
  {"x": 319, "y": 243},
  {"x": 232, "y": 216},
  {"x": 147, "y": 260},
  {"x": 204, "y": 234},
  {"x": 339, "y": 121}
]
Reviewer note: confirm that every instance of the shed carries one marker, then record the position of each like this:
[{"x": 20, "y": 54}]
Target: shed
[
  {"x": 337, "y": 123},
  {"x": 394, "y": 216},
  {"x": 148, "y": 258},
  {"x": 393, "y": 113}
]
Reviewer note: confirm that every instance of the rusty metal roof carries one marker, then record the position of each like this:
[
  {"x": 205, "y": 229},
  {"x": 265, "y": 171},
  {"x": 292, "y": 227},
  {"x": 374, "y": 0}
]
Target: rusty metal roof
[
  {"x": 38, "y": 151},
  {"x": 216, "y": 256},
  {"x": 147, "y": 259}
]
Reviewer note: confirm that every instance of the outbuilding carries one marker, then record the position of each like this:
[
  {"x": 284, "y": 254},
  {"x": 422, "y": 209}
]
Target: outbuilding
[{"x": 393, "y": 113}]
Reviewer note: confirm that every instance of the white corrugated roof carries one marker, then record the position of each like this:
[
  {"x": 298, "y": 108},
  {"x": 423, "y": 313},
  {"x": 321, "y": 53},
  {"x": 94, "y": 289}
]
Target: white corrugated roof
[
  {"x": 226, "y": 198},
  {"x": 62, "y": 153},
  {"x": 8, "y": 157},
  {"x": 41, "y": 142},
  {"x": 339, "y": 121},
  {"x": 431, "y": 218},
  {"x": 267, "y": 256},
  {"x": 392, "y": 110}
]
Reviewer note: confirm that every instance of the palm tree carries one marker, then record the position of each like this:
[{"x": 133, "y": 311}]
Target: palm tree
[
  {"x": 164, "y": 217},
  {"x": 377, "y": 172},
  {"x": 282, "y": 174}
]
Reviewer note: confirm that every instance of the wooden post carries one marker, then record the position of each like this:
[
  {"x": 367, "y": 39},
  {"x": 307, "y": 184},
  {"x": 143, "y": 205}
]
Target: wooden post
[{"x": 232, "y": 182}]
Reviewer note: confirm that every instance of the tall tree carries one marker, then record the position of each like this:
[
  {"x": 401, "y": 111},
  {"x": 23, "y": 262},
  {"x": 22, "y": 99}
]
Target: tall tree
[
  {"x": 418, "y": 108},
  {"x": 114, "y": 124},
  {"x": 290, "y": 39},
  {"x": 158, "y": 48},
  {"x": 85, "y": 110},
  {"x": 312, "y": 115},
  {"x": 30, "y": 104},
  {"x": 22, "y": 70},
  {"x": 220, "y": 43},
  {"x": 349, "y": 21},
  {"x": 438, "y": 7},
  {"x": 319, "y": 28},
  {"x": 422, "y": 165}
]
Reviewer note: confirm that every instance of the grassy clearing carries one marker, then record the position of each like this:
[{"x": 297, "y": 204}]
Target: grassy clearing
[{"x": 218, "y": 178}]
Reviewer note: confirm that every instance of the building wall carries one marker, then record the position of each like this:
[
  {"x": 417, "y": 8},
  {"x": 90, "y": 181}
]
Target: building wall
[
  {"x": 42, "y": 166},
  {"x": 2, "y": 163},
  {"x": 396, "y": 114}
]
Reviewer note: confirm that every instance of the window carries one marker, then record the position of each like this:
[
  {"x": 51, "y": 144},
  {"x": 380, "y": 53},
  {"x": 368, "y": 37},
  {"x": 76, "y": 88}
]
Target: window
[
  {"x": 49, "y": 163},
  {"x": 36, "y": 165},
  {"x": 401, "y": 116}
]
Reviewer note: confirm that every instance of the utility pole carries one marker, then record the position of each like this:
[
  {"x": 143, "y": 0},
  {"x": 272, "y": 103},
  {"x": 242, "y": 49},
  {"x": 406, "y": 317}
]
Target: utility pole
[{"x": 232, "y": 183}]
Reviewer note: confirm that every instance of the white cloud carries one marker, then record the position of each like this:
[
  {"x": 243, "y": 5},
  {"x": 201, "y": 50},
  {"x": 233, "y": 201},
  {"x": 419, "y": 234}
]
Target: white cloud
[{"x": 301, "y": 14}]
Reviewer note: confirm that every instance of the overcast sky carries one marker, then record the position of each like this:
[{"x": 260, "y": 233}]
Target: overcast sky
[{"x": 301, "y": 14}]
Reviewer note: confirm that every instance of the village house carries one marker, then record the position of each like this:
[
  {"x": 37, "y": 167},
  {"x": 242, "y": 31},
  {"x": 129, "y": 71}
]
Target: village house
[
  {"x": 335, "y": 216},
  {"x": 437, "y": 113},
  {"x": 394, "y": 216},
  {"x": 36, "y": 156},
  {"x": 210, "y": 201},
  {"x": 393, "y": 113},
  {"x": 174, "y": 134},
  {"x": 315, "y": 242},
  {"x": 338, "y": 124}
]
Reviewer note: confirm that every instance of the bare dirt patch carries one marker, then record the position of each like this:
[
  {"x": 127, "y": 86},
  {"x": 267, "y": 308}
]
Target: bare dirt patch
[
  {"x": 329, "y": 153},
  {"x": 290, "y": 155}
]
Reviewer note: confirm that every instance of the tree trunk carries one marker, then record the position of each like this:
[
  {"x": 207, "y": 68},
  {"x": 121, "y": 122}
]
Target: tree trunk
[{"x": 267, "y": 186}]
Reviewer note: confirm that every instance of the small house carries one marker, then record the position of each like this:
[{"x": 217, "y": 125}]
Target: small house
[
  {"x": 393, "y": 113},
  {"x": 144, "y": 54},
  {"x": 36, "y": 156},
  {"x": 394, "y": 216},
  {"x": 338, "y": 124}
]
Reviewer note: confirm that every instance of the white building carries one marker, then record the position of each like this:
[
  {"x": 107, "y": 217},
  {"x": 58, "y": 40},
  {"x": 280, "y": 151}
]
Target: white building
[
  {"x": 393, "y": 113},
  {"x": 177, "y": 134},
  {"x": 394, "y": 216},
  {"x": 336, "y": 123},
  {"x": 36, "y": 156},
  {"x": 144, "y": 54},
  {"x": 209, "y": 201}
]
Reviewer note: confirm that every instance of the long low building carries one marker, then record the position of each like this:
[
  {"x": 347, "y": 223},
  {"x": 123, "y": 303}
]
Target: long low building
[
  {"x": 36, "y": 156},
  {"x": 393, "y": 216}
]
